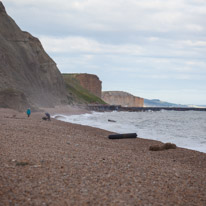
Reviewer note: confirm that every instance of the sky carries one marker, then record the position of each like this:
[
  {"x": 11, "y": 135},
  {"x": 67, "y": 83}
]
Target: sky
[{"x": 155, "y": 49}]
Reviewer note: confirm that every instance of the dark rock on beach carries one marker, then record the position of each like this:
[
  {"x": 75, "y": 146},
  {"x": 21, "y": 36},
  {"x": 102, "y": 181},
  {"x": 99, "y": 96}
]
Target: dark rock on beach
[{"x": 162, "y": 147}]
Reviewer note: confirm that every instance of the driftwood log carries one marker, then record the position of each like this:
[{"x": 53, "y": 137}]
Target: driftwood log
[{"x": 122, "y": 136}]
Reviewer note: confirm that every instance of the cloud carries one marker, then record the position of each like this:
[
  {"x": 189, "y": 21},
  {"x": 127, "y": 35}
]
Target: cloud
[
  {"x": 194, "y": 43},
  {"x": 85, "y": 45},
  {"x": 194, "y": 27},
  {"x": 99, "y": 15}
]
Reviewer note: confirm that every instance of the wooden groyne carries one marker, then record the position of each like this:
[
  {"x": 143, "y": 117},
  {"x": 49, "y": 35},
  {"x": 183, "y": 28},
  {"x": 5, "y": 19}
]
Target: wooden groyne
[{"x": 103, "y": 108}]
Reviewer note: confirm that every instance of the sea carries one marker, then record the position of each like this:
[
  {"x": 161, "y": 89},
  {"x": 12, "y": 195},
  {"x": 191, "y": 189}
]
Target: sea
[{"x": 186, "y": 129}]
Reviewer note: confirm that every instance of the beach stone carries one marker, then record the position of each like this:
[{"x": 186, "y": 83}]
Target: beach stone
[
  {"x": 155, "y": 148},
  {"x": 169, "y": 146},
  {"x": 165, "y": 146}
]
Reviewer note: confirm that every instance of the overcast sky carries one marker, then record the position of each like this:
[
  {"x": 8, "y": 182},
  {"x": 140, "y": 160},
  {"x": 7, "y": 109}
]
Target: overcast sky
[{"x": 154, "y": 49}]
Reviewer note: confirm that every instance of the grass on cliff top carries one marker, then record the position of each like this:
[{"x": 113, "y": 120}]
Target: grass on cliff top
[{"x": 80, "y": 94}]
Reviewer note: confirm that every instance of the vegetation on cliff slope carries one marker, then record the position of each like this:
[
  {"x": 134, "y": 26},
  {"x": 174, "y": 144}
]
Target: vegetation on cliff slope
[{"x": 78, "y": 93}]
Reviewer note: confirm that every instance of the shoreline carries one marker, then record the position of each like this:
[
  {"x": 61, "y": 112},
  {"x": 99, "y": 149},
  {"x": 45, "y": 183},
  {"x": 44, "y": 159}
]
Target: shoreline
[
  {"x": 111, "y": 127},
  {"x": 59, "y": 163}
]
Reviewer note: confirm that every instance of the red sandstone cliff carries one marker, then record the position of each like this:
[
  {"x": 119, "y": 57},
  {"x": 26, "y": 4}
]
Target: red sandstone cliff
[
  {"x": 90, "y": 82},
  {"x": 122, "y": 98}
]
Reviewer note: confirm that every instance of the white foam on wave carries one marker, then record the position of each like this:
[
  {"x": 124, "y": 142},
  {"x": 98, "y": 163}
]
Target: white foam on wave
[{"x": 185, "y": 129}]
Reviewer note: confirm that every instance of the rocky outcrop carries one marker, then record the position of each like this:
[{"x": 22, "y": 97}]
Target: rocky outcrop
[
  {"x": 16, "y": 100},
  {"x": 90, "y": 82},
  {"x": 122, "y": 98},
  {"x": 26, "y": 68}
]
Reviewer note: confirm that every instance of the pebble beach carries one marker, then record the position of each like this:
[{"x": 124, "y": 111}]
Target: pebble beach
[{"x": 54, "y": 163}]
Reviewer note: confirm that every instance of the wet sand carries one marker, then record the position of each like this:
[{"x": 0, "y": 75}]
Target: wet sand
[{"x": 58, "y": 163}]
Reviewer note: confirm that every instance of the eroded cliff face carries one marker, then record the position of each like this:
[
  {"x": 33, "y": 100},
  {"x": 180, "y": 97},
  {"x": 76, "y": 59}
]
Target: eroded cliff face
[
  {"x": 90, "y": 82},
  {"x": 26, "y": 67},
  {"x": 122, "y": 98}
]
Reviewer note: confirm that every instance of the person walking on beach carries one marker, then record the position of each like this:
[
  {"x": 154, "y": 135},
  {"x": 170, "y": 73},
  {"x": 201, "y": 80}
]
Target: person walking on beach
[{"x": 28, "y": 112}]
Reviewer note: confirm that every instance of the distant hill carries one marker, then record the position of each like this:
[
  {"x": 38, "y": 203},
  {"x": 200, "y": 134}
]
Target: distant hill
[
  {"x": 201, "y": 105},
  {"x": 159, "y": 103},
  {"x": 197, "y": 106}
]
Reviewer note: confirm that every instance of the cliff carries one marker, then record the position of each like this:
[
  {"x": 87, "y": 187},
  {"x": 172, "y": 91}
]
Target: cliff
[
  {"x": 76, "y": 88},
  {"x": 26, "y": 70},
  {"x": 122, "y": 98},
  {"x": 90, "y": 82}
]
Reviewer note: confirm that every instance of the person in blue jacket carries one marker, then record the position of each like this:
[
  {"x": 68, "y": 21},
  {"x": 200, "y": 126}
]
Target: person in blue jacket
[{"x": 28, "y": 112}]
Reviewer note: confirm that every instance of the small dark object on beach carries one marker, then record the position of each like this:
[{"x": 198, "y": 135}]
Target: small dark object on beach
[
  {"x": 122, "y": 136},
  {"x": 169, "y": 146},
  {"x": 22, "y": 163},
  {"x": 155, "y": 148},
  {"x": 47, "y": 117},
  {"x": 162, "y": 147},
  {"x": 110, "y": 120}
]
